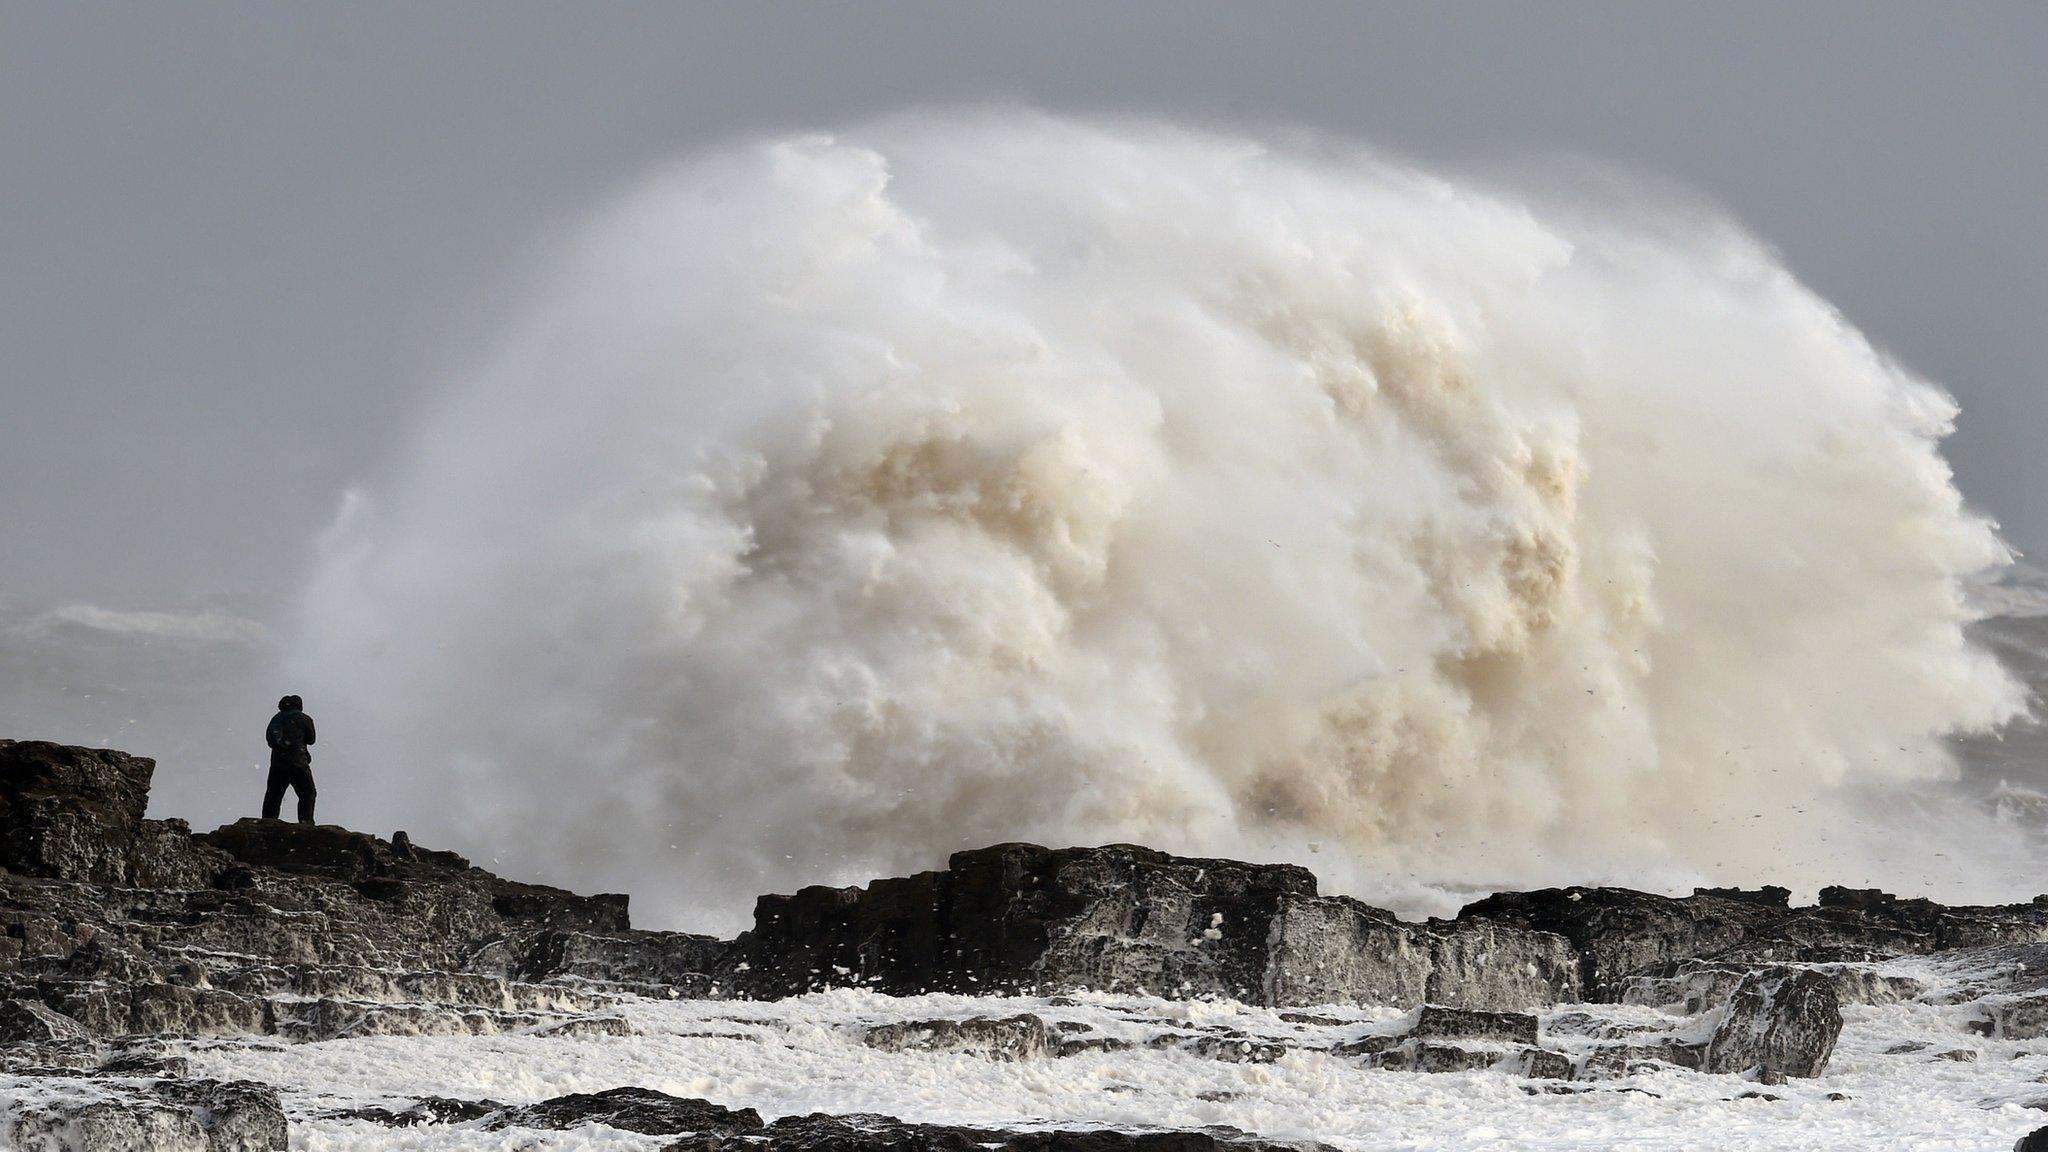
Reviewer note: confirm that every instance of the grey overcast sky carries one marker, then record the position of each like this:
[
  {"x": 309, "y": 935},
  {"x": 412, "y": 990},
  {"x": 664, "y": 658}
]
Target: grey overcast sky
[{"x": 236, "y": 242}]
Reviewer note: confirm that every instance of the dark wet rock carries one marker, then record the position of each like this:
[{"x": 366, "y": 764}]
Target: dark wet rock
[
  {"x": 893, "y": 936},
  {"x": 357, "y": 858},
  {"x": 1838, "y": 934},
  {"x": 145, "y": 1064},
  {"x": 125, "y": 926},
  {"x": 1697, "y": 986},
  {"x": 33, "y": 1022},
  {"x": 1768, "y": 896},
  {"x": 164, "y": 854},
  {"x": 1856, "y": 899},
  {"x": 1418, "y": 1055},
  {"x": 130, "y": 927},
  {"x": 1863, "y": 984},
  {"x": 1018, "y": 917},
  {"x": 1437, "y": 1022},
  {"x": 1235, "y": 1049},
  {"x": 1082, "y": 1045},
  {"x": 1620, "y": 933},
  {"x": 327, "y": 1019},
  {"x": 166, "y": 1116},
  {"x": 235, "y": 1115},
  {"x": 2020, "y": 1018},
  {"x": 1778, "y": 1023},
  {"x": 69, "y": 813},
  {"x": 1333, "y": 949},
  {"x": 2035, "y": 1141},
  {"x": 1446, "y": 1039},
  {"x": 425, "y": 1110},
  {"x": 1488, "y": 965},
  {"x": 824, "y": 1133},
  {"x": 109, "y": 1009},
  {"x": 641, "y": 1110},
  {"x": 1542, "y": 1064},
  {"x": 1997, "y": 969},
  {"x": 1589, "y": 1025},
  {"x": 1023, "y": 1037},
  {"x": 652, "y": 963},
  {"x": 1646, "y": 1054},
  {"x": 66, "y": 1060},
  {"x": 588, "y": 1028}
]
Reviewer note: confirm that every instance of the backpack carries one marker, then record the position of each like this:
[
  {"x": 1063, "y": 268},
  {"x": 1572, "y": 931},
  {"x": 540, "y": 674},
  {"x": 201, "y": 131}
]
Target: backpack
[{"x": 282, "y": 735}]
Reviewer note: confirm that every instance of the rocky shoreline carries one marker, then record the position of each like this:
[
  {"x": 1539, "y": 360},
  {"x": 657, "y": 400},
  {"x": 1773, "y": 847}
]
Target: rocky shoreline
[{"x": 126, "y": 937}]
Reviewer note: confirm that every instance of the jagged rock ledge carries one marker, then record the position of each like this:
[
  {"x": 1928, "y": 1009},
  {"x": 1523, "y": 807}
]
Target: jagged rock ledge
[
  {"x": 707, "y": 1127},
  {"x": 121, "y": 931}
]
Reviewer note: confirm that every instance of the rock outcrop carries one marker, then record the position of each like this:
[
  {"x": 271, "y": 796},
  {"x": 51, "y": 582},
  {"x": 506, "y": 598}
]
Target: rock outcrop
[
  {"x": 708, "y": 1127},
  {"x": 130, "y": 925},
  {"x": 259, "y": 928},
  {"x": 1777, "y": 1023},
  {"x": 70, "y": 813},
  {"x": 156, "y": 1116},
  {"x": 119, "y": 932},
  {"x": 1020, "y": 918}
]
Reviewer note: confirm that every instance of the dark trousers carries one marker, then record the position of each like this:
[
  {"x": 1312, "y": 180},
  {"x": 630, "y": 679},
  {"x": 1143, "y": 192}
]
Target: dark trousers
[{"x": 296, "y": 773}]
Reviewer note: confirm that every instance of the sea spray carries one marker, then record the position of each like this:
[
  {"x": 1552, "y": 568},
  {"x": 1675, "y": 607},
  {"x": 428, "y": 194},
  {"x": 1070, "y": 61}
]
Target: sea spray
[{"x": 841, "y": 501}]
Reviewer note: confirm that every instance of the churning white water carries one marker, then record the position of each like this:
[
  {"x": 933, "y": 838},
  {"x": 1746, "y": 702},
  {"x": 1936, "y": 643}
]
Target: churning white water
[{"x": 841, "y": 501}]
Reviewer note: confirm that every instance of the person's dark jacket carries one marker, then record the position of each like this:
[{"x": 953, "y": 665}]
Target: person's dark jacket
[{"x": 290, "y": 731}]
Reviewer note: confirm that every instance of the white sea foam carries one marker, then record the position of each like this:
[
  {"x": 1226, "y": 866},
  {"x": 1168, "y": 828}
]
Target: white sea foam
[
  {"x": 841, "y": 501},
  {"x": 804, "y": 1055}
]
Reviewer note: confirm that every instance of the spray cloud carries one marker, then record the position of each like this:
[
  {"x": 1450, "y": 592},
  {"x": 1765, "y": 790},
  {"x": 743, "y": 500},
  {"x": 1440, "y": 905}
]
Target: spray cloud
[{"x": 848, "y": 500}]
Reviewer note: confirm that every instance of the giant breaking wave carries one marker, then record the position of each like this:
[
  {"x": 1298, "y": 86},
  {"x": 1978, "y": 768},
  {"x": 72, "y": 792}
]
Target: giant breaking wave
[{"x": 841, "y": 501}]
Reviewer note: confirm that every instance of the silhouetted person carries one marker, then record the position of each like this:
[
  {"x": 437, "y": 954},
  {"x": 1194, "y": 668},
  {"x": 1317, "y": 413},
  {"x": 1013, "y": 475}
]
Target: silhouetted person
[{"x": 290, "y": 731}]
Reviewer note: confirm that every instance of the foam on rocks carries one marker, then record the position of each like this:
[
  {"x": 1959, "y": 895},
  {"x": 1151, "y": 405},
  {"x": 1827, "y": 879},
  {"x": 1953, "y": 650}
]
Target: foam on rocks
[{"x": 267, "y": 984}]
